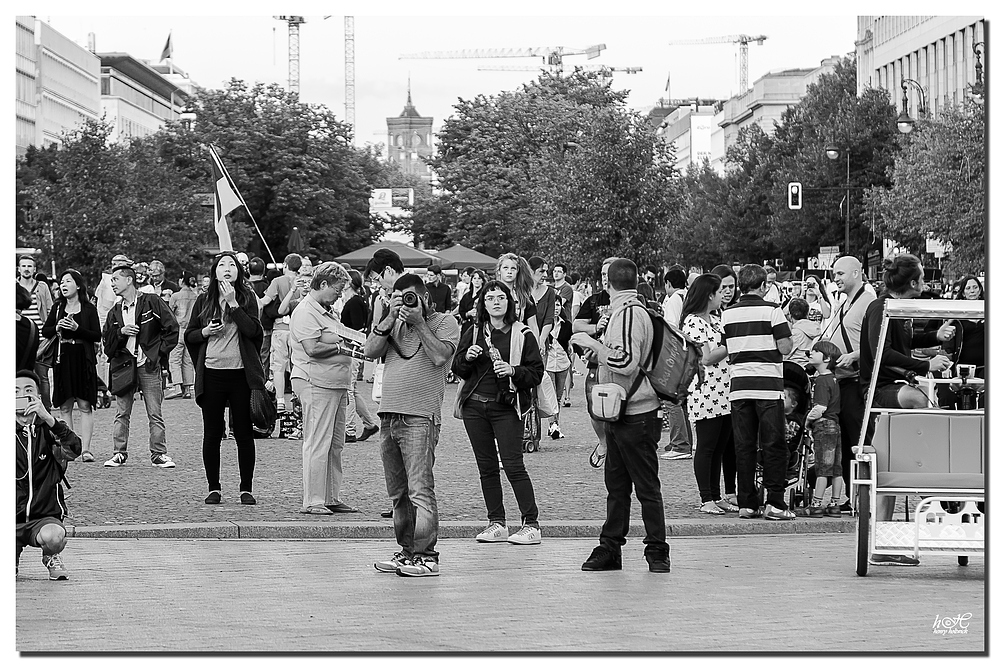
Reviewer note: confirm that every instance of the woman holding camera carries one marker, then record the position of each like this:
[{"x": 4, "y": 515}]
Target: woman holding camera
[
  {"x": 224, "y": 336},
  {"x": 74, "y": 375},
  {"x": 500, "y": 362}
]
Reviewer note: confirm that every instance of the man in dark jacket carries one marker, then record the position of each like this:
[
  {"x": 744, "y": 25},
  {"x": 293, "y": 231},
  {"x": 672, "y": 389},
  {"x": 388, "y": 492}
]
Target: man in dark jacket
[
  {"x": 140, "y": 325},
  {"x": 44, "y": 447}
]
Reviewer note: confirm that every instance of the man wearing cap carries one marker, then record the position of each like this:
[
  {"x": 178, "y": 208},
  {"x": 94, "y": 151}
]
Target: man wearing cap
[
  {"x": 440, "y": 291},
  {"x": 140, "y": 325}
]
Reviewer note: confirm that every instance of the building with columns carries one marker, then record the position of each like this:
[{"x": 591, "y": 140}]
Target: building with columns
[
  {"x": 410, "y": 140},
  {"x": 935, "y": 51}
]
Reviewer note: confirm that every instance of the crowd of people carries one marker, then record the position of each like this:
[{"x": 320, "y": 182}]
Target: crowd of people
[{"x": 511, "y": 338}]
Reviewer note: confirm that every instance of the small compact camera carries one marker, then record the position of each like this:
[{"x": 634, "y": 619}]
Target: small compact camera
[
  {"x": 21, "y": 404},
  {"x": 966, "y": 371},
  {"x": 410, "y": 299}
]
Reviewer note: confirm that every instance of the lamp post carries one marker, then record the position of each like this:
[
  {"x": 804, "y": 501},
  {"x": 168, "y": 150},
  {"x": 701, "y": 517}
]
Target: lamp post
[
  {"x": 833, "y": 153},
  {"x": 979, "y": 88},
  {"x": 904, "y": 123}
]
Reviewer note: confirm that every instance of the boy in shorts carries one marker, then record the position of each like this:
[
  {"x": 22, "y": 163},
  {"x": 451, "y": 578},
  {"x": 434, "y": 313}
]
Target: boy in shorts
[
  {"x": 44, "y": 447},
  {"x": 824, "y": 419}
]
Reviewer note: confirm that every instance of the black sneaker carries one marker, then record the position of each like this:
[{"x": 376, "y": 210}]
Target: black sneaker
[
  {"x": 846, "y": 508},
  {"x": 213, "y": 498},
  {"x": 893, "y": 559},
  {"x": 602, "y": 559},
  {"x": 367, "y": 433},
  {"x": 659, "y": 560},
  {"x": 350, "y": 437}
]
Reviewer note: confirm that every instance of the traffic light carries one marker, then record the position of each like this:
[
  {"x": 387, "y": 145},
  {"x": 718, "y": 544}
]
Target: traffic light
[{"x": 794, "y": 196}]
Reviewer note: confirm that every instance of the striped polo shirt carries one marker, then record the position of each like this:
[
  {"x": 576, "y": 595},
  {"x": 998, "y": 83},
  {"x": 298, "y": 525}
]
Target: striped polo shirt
[{"x": 750, "y": 329}]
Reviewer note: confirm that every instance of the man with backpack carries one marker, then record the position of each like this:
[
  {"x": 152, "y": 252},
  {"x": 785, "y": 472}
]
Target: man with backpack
[{"x": 633, "y": 439}]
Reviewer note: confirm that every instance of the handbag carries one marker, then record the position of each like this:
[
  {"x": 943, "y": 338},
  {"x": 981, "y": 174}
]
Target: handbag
[
  {"x": 123, "y": 374},
  {"x": 558, "y": 360},
  {"x": 48, "y": 351},
  {"x": 377, "y": 382},
  {"x": 548, "y": 402},
  {"x": 263, "y": 411},
  {"x": 457, "y": 411}
]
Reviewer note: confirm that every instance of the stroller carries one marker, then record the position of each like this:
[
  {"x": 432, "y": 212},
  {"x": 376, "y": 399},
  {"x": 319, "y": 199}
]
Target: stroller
[{"x": 801, "y": 477}]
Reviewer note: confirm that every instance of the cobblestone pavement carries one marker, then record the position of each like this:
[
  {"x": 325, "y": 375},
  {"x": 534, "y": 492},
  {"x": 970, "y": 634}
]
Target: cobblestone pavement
[
  {"x": 747, "y": 593},
  {"x": 566, "y": 487}
]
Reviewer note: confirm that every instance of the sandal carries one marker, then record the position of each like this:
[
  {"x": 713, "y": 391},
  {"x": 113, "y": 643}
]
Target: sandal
[
  {"x": 597, "y": 460},
  {"x": 726, "y": 505},
  {"x": 315, "y": 509},
  {"x": 711, "y": 508}
]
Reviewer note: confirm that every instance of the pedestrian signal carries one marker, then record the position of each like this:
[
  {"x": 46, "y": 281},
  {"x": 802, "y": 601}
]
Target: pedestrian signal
[{"x": 794, "y": 196}]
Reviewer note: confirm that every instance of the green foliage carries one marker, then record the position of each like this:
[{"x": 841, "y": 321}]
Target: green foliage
[{"x": 938, "y": 188}]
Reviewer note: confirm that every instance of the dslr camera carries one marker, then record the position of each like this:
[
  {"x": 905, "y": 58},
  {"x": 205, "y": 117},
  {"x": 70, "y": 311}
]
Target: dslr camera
[{"x": 410, "y": 299}]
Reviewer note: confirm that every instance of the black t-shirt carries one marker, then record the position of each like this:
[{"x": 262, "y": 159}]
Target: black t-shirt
[
  {"x": 590, "y": 310},
  {"x": 489, "y": 385},
  {"x": 355, "y": 313},
  {"x": 259, "y": 286},
  {"x": 441, "y": 296}
]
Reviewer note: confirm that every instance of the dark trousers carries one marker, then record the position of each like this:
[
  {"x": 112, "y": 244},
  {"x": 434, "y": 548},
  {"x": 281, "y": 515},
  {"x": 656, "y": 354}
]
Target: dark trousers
[
  {"x": 486, "y": 423},
  {"x": 852, "y": 415},
  {"x": 729, "y": 464},
  {"x": 632, "y": 460},
  {"x": 230, "y": 387},
  {"x": 760, "y": 424},
  {"x": 714, "y": 436}
]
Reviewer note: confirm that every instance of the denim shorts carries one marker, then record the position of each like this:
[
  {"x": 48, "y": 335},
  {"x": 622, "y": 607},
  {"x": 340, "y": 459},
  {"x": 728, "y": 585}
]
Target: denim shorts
[{"x": 826, "y": 446}]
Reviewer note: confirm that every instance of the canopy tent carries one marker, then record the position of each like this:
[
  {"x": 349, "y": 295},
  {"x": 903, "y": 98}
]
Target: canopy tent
[
  {"x": 412, "y": 257},
  {"x": 463, "y": 257}
]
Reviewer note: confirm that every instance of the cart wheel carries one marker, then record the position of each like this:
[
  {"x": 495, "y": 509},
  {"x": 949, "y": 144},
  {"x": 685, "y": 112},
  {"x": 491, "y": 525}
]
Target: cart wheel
[
  {"x": 963, "y": 561},
  {"x": 864, "y": 528},
  {"x": 524, "y": 446}
]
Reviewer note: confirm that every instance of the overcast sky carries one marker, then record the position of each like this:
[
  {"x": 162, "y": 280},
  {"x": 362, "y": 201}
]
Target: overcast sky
[{"x": 213, "y": 49}]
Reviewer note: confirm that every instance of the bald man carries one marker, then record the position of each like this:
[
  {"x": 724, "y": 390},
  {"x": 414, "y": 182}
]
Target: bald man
[{"x": 844, "y": 331}]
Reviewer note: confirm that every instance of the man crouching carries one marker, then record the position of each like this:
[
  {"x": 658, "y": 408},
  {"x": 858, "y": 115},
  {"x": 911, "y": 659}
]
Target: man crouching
[{"x": 45, "y": 446}]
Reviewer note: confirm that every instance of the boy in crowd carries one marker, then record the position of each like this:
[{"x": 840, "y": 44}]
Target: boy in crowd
[
  {"x": 793, "y": 429},
  {"x": 804, "y": 332},
  {"x": 45, "y": 446},
  {"x": 823, "y": 417}
]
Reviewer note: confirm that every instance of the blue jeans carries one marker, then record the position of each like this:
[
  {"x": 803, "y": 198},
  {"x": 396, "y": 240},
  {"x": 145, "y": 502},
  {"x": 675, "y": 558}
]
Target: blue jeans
[
  {"x": 763, "y": 422},
  {"x": 632, "y": 444},
  {"x": 150, "y": 382},
  {"x": 486, "y": 423},
  {"x": 408, "y": 444}
]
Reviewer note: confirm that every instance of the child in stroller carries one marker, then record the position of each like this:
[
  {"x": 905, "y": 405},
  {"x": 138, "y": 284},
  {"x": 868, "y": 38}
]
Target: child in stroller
[{"x": 796, "y": 408}]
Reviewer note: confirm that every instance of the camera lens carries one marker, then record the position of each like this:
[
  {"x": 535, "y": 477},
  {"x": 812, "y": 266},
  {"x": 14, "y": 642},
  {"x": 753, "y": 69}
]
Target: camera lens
[{"x": 409, "y": 299}]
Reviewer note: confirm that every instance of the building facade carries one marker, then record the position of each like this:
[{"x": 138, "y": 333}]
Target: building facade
[
  {"x": 136, "y": 99},
  {"x": 771, "y": 94},
  {"x": 935, "y": 51},
  {"x": 689, "y": 129},
  {"x": 410, "y": 140},
  {"x": 58, "y": 84}
]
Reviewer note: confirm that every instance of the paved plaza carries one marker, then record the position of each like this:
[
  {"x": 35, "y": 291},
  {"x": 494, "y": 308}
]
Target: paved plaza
[{"x": 773, "y": 593}]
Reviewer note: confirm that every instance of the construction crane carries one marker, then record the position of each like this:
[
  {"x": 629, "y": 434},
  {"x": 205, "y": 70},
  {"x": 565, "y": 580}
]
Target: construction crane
[
  {"x": 552, "y": 56},
  {"x": 742, "y": 40},
  {"x": 349, "y": 71},
  {"x": 293, "y": 50}
]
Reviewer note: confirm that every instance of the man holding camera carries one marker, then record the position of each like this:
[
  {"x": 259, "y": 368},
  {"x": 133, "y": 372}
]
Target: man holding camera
[
  {"x": 45, "y": 446},
  {"x": 418, "y": 344},
  {"x": 140, "y": 325}
]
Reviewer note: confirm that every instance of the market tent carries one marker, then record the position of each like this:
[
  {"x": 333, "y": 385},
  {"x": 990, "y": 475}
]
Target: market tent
[
  {"x": 412, "y": 257},
  {"x": 463, "y": 257}
]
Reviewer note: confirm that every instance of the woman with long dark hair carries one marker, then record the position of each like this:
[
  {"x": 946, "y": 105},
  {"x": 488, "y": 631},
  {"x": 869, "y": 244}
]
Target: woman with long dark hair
[
  {"x": 730, "y": 295},
  {"x": 73, "y": 318},
  {"x": 708, "y": 403},
  {"x": 467, "y": 305},
  {"x": 500, "y": 362},
  {"x": 224, "y": 336}
]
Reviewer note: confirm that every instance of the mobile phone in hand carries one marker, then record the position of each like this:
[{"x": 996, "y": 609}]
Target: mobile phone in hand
[{"x": 216, "y": 322}]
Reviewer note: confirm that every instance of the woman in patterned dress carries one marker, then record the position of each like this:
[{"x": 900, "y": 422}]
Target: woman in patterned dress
[{"x": 708, "y": 403}]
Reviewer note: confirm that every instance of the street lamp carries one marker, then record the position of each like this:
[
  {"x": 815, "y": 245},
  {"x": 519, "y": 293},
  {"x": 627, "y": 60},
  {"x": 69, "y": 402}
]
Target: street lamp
[
  {"x": 904, "y": 123},
  {"x": 979, "y": 88},
  {"x": 833, "y": 153}
]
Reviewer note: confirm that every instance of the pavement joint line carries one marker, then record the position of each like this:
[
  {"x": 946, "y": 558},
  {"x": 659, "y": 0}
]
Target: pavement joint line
[{"x": 235, "y": 530}]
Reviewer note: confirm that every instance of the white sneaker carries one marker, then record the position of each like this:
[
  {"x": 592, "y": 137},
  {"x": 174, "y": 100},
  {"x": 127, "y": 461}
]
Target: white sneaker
[
  {"x": 493, "y": 533},
  {"x": 674, "y": 455},
  {"x": 554, "y": 431},
  {"x": 527, "y": 535},
  {"x": 57, "y": 571}
]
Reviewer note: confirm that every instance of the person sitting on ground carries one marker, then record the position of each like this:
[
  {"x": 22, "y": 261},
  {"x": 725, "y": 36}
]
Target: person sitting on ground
[
  {"x": 45, "y": 446},
  {"x": 804, "y": 332},
  {"x": 823, "y": 418}
]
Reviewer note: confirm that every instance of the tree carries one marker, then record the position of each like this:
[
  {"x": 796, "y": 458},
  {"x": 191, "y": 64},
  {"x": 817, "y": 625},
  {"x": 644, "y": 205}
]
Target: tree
[
  {"x": 938, "y": 188},
  {"x": 98, "y": 199},
  {"x": 292, "y": 162}
]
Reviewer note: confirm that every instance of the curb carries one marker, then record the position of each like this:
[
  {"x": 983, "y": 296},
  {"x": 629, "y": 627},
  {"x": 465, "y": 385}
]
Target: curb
[{"x": 383, "y": 530}]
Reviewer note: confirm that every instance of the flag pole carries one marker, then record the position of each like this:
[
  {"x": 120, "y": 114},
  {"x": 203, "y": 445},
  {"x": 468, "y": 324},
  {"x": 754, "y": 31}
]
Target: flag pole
[{"x": 243, "y": 201}]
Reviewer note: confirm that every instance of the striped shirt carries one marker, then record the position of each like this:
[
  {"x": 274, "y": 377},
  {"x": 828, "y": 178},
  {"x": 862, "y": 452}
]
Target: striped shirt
[
  {"x": 750, "y": 331},
  {"x": 414, "y": 385}
]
